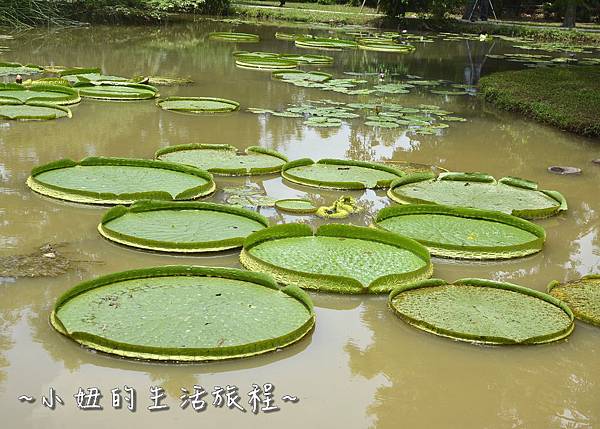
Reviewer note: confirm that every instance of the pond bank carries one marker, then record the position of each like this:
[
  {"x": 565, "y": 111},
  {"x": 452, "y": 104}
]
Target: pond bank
[{"x": 565, "y": 97}]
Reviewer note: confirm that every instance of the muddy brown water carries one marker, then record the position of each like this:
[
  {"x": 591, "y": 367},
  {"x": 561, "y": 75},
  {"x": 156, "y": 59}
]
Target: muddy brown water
[{"x": 362, "y": 367}]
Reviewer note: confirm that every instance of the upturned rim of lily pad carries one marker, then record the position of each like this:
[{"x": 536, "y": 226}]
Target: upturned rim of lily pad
[
  {"x": 251, "y": 150},
  {"x": 89, "y": 197},
  {"x": 146, "y": 92},
  {"x": 331, "y": 282},
  {"x": 287, "y": 205},
  {"x": 184, "y": 354},
  {"x": 482, "y": 339},
  {"x": 143, "y": 206},
  {"x": 552, "y": 289},
  {"x": 447, "y": 250},
  {"x": 232, "y": 36},
  {"x": 515, "y": 182},
  {"x": 286, "y": 174}
]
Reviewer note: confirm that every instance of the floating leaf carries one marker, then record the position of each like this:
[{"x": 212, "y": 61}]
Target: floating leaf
[
  {"x": 337, "y": 258},
  {"x": 13, "y": 69},
  {"x": 223, "y": 159},
  {"x": 234, "y": 37},
  {"x": 117, "y": 92},
  {"x": 183, "y": 313},
  {"x": 198, "y": 104},
  {"x": 296, "y": 205},
  {"x": 510, "y": 195},
  {"x": 98, "y": 180},
  {"x": 55, "y": 94},
  {"x": 463, "y": 233},
  {"x": 482, "y": 311},
  {"x": 339, "y": 174},
  {"x": 325, "y": 43},
  {"x": 582, "y": 296},
  {"x": 180, "y": 226},
  {"x": 33, "y": 111},
  {"x": 297, "y": 75}
]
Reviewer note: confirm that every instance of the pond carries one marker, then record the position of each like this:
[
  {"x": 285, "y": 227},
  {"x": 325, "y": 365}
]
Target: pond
[{"x": 362, "y": 366}]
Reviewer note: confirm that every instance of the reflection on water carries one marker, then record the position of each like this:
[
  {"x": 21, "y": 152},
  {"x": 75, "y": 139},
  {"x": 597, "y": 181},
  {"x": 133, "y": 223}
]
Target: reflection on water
[{"x": 361, "y": 367}]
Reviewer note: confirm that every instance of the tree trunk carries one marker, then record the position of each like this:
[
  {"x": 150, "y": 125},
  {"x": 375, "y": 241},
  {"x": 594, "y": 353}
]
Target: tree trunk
[{"x": 570, "y": 14}]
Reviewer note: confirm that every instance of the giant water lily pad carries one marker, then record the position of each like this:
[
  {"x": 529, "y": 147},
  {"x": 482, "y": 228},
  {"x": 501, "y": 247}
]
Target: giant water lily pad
[
  {"x": 459, "y": 232},
  {"x": 89, "y": 75},
  {"x": 510, "y": 195},
  {"x": 325, "y": 43},
  {"x": 183, "y": 313},
  {"x": 185, "y": 227},
  {"x": 33, "y": 111},
  {"x": 301, "y": 76},
  {"x": 198, "y": 104},
  {"x": 483, "y": 311},
  {"x": 228, "y": 36},
  {"x": 44, "y": 93},
  {"x": 266, "y": 63},
  {"x": 224, "y": 159},
  {"x": 13, "y": 69},
  {"x": 98, "y": 180},
  {"x": 582, "y": 296},
  {"x": 337, "y": 258},
  {"x": 117, "y": 91},
  {"x": 384, "y": 45},
  {"x": 340, "y": 174},
  {"x": 296, "y": 205}
]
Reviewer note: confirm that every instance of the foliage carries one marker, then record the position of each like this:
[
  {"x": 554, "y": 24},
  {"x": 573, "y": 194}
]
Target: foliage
[{"x": 566, "y": 97}]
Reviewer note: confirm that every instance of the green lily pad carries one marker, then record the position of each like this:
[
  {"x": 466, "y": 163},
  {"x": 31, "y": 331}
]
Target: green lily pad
[
  {"x": 463, "y": 233},
  {"x": 182, "y": 227},
  {"x": 116, "y": 91},
  {"x": 266, "y": 63},
  {"x": 308, "y": 59},
  {"x": 287, "y": 36},
  {"x": 510, "y": 195},
  {"x": 384, "y": 45},
  {"x": 98, "y": 180},
  {"x": 223, "y": 159},
  {"x": 325, "y": 43},
  {"x": 449, "y": 92},
  {"x": 296, "y": 205},
  {"x": 582, "y": 296},
  {"x": 248, "y": 196},
  {"x": 337, "y": 258},
  {"x": 13, "y": 69},
  {"x": 340, "y": 174},
  {"x": 298, "y": 75},
  {"x": 33, "y": 111},
  {"x": 55, "y": 94},
  {"x": 183, "y": 313},
  {"x": 393, "y": 88},
  {"x": 198, "y": 104},
  {"x": 228, "y": 36},
  {"x": 89, "y": 75},
  {"x": 482, "y": 311},
  {"x": 321, "y": 121}
]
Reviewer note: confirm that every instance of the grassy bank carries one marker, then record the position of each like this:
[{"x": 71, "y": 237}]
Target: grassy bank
[{"x": 565, "y": 97}]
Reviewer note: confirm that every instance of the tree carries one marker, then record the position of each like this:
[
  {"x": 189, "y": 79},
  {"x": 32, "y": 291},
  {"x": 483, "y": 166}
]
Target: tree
[{"x": 570, "y": 13}]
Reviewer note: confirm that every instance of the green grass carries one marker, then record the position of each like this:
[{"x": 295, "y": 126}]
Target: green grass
[{"x": 566, "y": 97}]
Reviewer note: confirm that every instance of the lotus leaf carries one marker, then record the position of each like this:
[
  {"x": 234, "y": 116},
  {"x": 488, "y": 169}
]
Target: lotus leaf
[
  {"x": 296, "y": 205},
  {"x": 482, "y": 311},
  {"x": 33, "y": 111},
  {"x": 116, "y": 91},
  {"x": 340, "y": 174},
  {"x": 508, "y": 195},
  {"x": 582, "y": 296},
  {"x": 198, "y": 104},
  {"x": 224, "y": 159},
  {"x": 55, "y": 94},
  {"x": 180, "y": 226},
  {"x": 98, "y": 180},
  {"x": 234, "y": 37},
  {"x": 337, "y": 258},
  {"x": 458, "y": 232},
  {"x": 183, "y": 313}
]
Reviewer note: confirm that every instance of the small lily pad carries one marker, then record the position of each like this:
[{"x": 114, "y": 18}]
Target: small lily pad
[
  {"x": 296, "y": 205},
  {"x": 482, "y": 311},
  {"x": 183, "y": 313}
]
